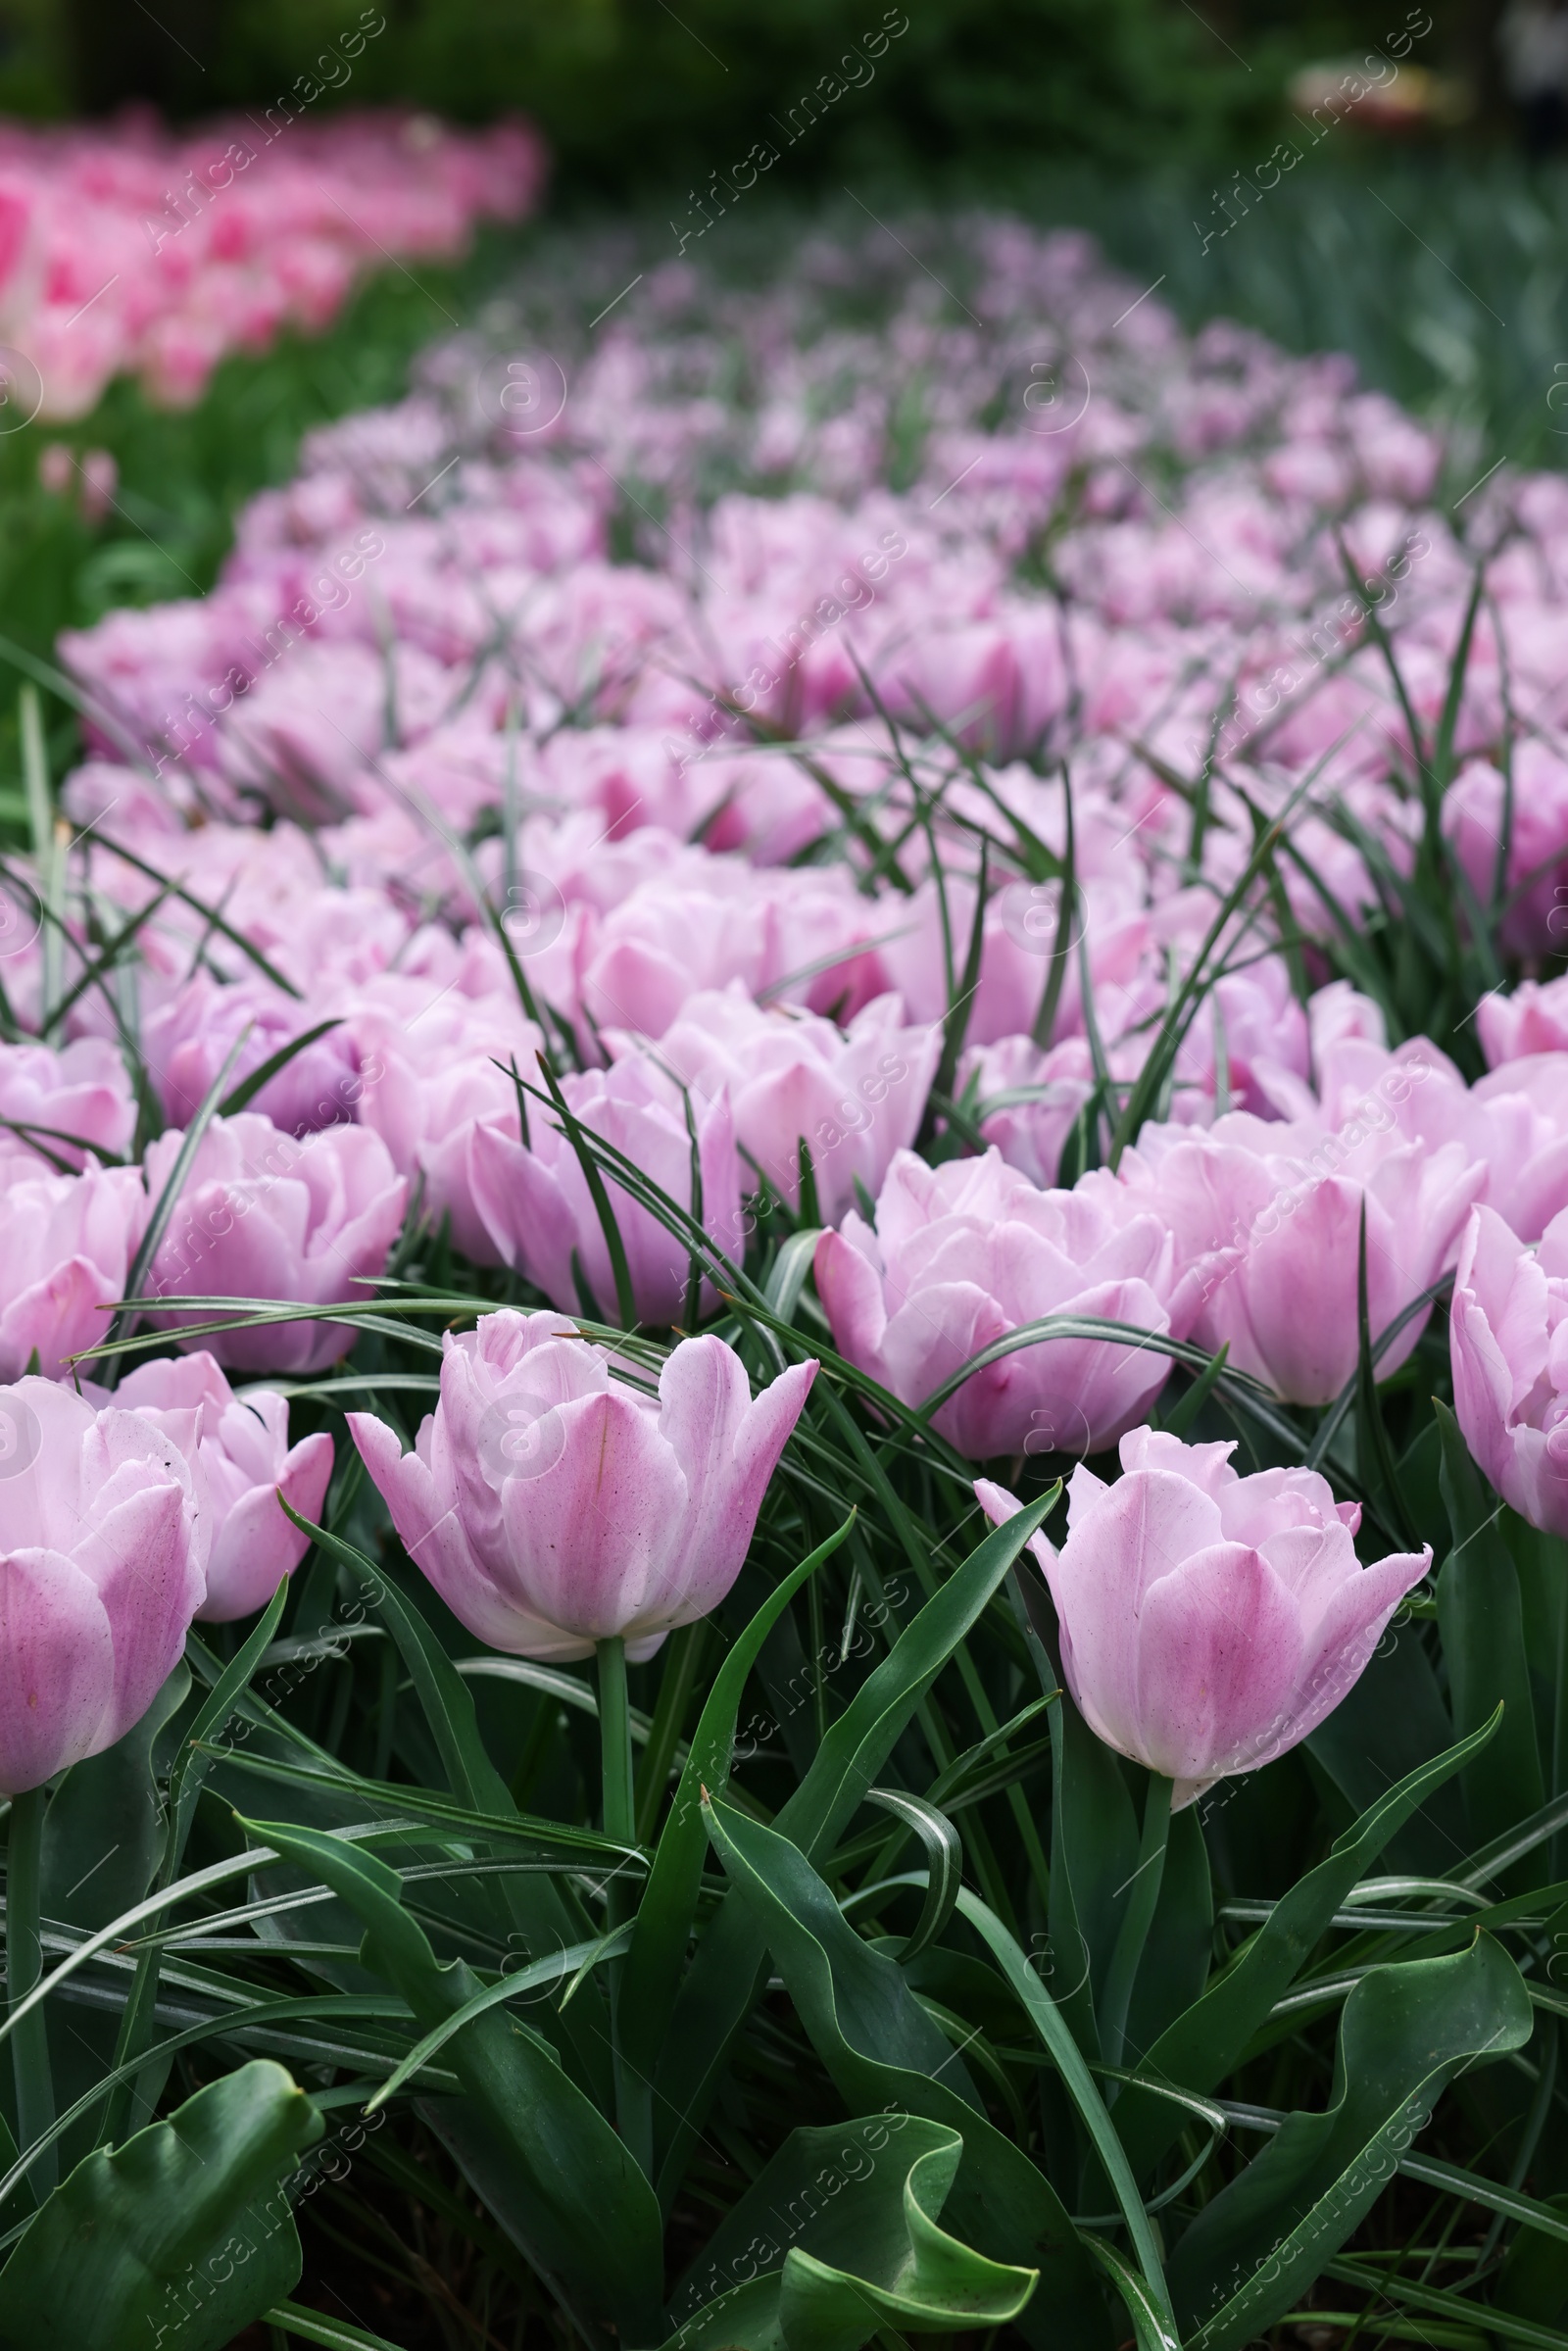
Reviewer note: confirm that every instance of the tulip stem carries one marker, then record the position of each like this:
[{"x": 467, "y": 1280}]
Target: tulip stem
[
  {"x": 615, "y": 1736},
  {"x": 1137, "y": 1919},
  {"x": 633, "y": 2096},
  {"x": 35, "y": 2097}
]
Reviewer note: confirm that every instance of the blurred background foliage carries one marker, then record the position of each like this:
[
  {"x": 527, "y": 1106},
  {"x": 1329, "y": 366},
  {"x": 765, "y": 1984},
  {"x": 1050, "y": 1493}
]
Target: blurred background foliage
[{"x": 634, "y": 94}]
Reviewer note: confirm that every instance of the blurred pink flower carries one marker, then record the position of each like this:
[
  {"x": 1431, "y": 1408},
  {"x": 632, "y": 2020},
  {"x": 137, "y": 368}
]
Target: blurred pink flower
[
  {"x": 852, "y": 1096},
  {"x": 244, "y": 1460},
  {"x": 1508, "y": 1345},
  {"x": 536, "y": 1205},
  {"x": 65, "y": 1247},
  {"x": 1275, "y": 1208}
]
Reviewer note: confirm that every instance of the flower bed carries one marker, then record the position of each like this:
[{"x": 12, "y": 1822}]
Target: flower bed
[
  {"x": 133, "y": 251},
  {"x": 884, "y": 895}
]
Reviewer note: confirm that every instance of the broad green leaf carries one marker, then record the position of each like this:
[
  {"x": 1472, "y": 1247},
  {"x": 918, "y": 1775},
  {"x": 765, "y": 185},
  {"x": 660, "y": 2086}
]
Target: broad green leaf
[
  {"x": 1094, "y": 1833},
  {"x": 544, "y": 1917},
  {"x": 537, "y": 2150},
  {"x": 1405, "y": 2032},
  {"x": 883, "y": 2050},
  {"x": 722, "y": 1985},
  {"x": 1482, "y": 1621},
  {"x": 1181, "y": 1938},
  {"x": 181, "y": 2236},
  {"x": 1391, "y": 1724},
  {"x": 1203, "y": 2046},
  {"x": 839, "y": 2236},
  {"x": 1533, "y": 2283},
  {"x": 102, "y": 1831}
]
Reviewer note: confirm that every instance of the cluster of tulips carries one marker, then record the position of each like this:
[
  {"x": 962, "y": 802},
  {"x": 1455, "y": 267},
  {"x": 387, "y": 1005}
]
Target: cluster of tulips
[
  {"x": 130, "y": 250},
  {"x": 641, "y": 798}
]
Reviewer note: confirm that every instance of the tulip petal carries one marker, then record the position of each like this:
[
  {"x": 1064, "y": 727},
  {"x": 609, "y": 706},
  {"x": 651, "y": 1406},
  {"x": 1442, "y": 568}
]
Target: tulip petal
[
  {"x": 57, "y": 1667},
  {"x": 1219, "y": 1662},
  {"x": 591, "y": 1536},
  {"x": 431, "y": 1533},
  {"x": 728, "y": 1447}
]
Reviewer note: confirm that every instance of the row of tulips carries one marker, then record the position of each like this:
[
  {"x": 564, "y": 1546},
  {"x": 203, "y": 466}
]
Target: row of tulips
[
  {"x": 914, "y": 950},
  {"x": 126, "y": 249}
]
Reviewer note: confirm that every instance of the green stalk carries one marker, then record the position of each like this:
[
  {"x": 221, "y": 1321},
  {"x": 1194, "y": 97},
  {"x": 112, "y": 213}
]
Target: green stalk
[
  {"x": 635, "y": 2110},
  {"x": 1137, "y": 1920},
  {"x": 35, "y": 2096}
]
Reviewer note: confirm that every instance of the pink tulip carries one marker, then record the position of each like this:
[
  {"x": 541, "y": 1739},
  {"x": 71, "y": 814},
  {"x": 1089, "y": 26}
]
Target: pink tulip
[
  {"x": 554, "y": 1505},
  {"x": 441, "y": 1068},
  {"x": 188, "y": 1040},
  {"x": 852, "y": 1096},
  {"x": 59, "y": 1103},
  {"x": 1473, "y": 817},
  {"x": 1027, "y": 1101},
  {"x": 66, "y": 1246},
  {"x": 104, "y": 1567},
  {"x": 536, "y": 1205},
  {"x": 964, "y": 1254},
  {"x": 246, "y": 1461},
  {"x": 262, "y": 1215},
  {"x": 1209, "y": 1621},
  {"x": 1534, "y": 1019},
  {"x": 1275, "y": 1208},
  {"x": 1513, "y": 1123},
  {"x": 1508, "y": 1345}
]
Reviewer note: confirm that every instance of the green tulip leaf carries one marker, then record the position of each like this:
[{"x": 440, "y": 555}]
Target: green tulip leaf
[
  {"x": 544, "y": 1917},
  {"x": 838, "y": 2237},
  {"x": 182, "y": 2236},
  {"x": 882, "y": 2050},
  {"x": 1481, "y": 1617},
  {"x": 652, "y": 1979},
  {"x": 1206, "y": 2043},
  {"x": 535, "y": 2147},
  {"x": 1404, "y": 2033},
  {"x": 722, "y": 1986}
]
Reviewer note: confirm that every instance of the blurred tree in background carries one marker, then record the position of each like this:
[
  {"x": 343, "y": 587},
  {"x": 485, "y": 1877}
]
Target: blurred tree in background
[{"x": 636, "y": 95}]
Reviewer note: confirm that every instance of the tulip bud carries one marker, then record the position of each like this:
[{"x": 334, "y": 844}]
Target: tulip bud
[
  {"x": 553, "y": 1506},
  {"x": 1209, "y": 1621}
]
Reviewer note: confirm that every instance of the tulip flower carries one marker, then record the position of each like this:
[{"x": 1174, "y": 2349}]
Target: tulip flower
[
  {"x": 1209, "y": 1621},
  {"x": 1027, "y": 1101},
  {"x": 261, "y": 1215},
  {"x": 852, "y": 1096},
  {"x": 1277, "y": 1207},
  {"x": 66, "y": 1246},
  {"x": 554, "y": 1505},
  {"x": 1508, "y": 1345},
  {"x": 966, "y": 1253},
  {"x": 246, "y": 1461},
  {"x": 104, "y": 1566},
  {"x": 59, "y": 1104},
  {"x": 535, "y": 1202}
]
